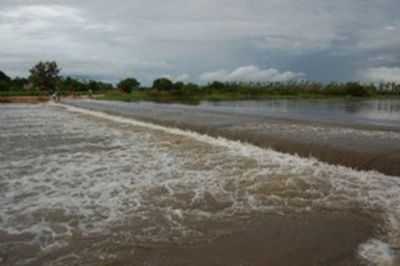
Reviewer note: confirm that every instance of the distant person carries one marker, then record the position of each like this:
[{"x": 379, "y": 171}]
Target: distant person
[{"x": 55, "y": 97}]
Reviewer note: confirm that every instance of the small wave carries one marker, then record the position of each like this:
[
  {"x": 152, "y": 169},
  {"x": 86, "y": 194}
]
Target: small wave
[
  {"x": 343, "y": 186},
  {"x": 377, "y": 253}
]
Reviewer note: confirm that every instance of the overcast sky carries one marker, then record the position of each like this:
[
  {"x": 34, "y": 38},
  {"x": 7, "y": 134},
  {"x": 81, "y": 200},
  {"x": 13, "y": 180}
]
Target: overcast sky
[{"x": 204, "y": 40}]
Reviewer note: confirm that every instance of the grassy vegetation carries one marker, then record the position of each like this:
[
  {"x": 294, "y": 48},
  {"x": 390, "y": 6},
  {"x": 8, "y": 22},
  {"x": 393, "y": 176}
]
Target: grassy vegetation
[
  {"x": 192, "y": 93},
  {"x": 18, "y": 93},
  {"x": 166, "y": 97},
  {"x": 148, "y": 95}
]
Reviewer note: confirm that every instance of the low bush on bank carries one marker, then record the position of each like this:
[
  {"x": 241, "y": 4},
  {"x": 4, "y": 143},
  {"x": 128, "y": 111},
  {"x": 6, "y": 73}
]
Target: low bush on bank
[
  {"x": 17, "y": 93},
  {"x": 164, "y": 91}
]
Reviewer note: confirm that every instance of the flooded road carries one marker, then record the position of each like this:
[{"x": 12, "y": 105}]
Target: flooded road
[{"x": 80, "y": 187}]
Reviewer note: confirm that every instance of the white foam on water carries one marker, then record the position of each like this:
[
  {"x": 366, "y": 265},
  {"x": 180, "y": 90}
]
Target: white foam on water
[
  {"x": 377, "y": 252},
  {"x": 371, "y": 189},
  {"x": 91, "y": 171}
]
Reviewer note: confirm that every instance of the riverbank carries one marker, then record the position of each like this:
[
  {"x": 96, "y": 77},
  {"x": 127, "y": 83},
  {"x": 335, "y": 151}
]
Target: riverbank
[
  {"x": 196, "y": 98},
  {"x": 24, "y": 99},
  {"x": 40, "y": 99}
]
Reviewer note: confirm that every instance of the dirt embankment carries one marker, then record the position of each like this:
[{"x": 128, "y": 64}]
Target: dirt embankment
[{"x": 24, "y": 99}]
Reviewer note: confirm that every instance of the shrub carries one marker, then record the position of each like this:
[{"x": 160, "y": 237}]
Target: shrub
[
  {"x": 355, "y": 89},
  {"x": 128, "y": 85},
  {"x": 163, "y": 84}
]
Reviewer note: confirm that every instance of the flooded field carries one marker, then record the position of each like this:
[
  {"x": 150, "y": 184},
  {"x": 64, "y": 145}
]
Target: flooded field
[{"x": 80, "y": 187}]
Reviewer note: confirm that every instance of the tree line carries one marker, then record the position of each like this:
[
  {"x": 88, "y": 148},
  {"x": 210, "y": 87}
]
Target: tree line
[{"x": 45, "y": 79}]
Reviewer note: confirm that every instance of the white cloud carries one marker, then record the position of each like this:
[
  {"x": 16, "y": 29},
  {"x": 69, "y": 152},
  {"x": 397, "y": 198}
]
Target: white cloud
[
  {"x": 378, "y": 39},
  {"x": 379, "y": 74},
  {"x": 38, "y": 12},
  {"x": 182, "y": 77},
  {"x": 96, "y": 37},
  {"x": 251, "y": 74},
  {"x": 38, "y": 30},
  {"x": 390, "y": 28},
  {"x": 78, "y": 41}
]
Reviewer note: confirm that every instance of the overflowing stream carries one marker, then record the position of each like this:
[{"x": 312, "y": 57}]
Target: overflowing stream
[{"x": 71, "y": 178}]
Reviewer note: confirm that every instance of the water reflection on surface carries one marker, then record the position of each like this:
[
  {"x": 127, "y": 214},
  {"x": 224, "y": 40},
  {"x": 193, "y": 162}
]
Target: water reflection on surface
[{"x": 363, "y": 112}]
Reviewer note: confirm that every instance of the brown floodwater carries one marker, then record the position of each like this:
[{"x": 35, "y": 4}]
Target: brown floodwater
[
  {"x": 79, "y": 187},
  {"x": 367, "y": 138}
]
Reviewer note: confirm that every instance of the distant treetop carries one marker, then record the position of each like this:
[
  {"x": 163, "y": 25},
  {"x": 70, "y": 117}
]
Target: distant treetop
[
  {"x": 128, "y": 85},
  {"x": 4, "y": 77},
  {"x": 163, "y": 84},
  {"x": 45, "y": 76}
]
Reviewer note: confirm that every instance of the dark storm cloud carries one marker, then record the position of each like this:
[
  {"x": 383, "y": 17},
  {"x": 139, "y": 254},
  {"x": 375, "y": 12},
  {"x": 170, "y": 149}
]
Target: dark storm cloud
[{"x": 193, "y": 40}]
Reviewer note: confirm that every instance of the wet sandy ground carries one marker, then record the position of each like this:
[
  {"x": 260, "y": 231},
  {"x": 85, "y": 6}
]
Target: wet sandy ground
[{"x": 84, "y": 189}]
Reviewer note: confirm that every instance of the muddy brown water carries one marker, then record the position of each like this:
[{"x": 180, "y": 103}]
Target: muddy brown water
[
  {"x": 360, "y": 134},
  {"x": 86, "y": 188}
]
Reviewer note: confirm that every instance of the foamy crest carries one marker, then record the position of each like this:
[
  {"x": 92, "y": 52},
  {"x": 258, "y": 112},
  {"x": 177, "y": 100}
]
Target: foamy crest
[{"x": 377, "y": 252}]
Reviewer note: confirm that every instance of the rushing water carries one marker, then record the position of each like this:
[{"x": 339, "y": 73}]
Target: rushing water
[{"x": 68, "y": 174}]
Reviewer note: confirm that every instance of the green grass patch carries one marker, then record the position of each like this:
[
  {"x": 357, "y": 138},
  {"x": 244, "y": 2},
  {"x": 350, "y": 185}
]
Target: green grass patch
[{"x": 196, "y": 97}]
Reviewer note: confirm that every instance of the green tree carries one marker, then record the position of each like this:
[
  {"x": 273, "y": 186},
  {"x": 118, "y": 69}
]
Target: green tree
[
  {"x": 163, "y": 84},
  {"x": 4, "y": 81},
  {"x": 355, "y": 89},
  {"x": 19, "y": 83},
  {"x": 45, "y": 76},
  {"x": 128, "y": 85},
  {"x": 192, "y": 87},
  {"x": 179, "y": 86},
  {"x": 4, "y": 77},
  {"x": 93, "y": 85},
  {"x": 217, "y": 85}
]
